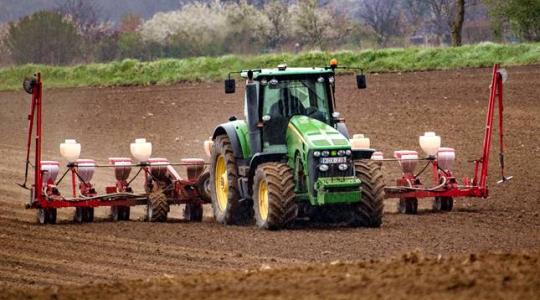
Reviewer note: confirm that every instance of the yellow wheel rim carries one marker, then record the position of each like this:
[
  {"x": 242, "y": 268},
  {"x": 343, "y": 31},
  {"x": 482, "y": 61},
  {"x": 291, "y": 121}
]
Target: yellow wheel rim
[
  {"x": 263, "y": 199},
  {"x": 221, "y": 182}
]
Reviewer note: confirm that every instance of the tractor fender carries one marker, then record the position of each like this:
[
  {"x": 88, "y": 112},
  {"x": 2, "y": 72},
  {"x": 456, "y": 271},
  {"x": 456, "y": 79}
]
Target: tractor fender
[
  {"x": 362, "y": 154},
  {"x": 230, "y": 131},
  {"x": 261, "y": 158}
]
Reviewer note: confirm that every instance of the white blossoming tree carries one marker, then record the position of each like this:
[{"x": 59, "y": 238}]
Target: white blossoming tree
[{"x": 209, "y": 29}]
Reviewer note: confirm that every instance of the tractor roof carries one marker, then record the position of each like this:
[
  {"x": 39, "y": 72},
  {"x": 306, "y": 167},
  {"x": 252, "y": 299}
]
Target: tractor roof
[{"x": 284, "y": 71}]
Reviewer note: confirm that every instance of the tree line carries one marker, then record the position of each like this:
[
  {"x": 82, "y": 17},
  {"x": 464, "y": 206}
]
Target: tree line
[{"x": 73, "y": 32}]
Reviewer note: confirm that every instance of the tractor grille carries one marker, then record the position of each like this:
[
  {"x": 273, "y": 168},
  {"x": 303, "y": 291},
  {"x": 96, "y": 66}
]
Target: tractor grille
[{"x": 333, "y": 171}]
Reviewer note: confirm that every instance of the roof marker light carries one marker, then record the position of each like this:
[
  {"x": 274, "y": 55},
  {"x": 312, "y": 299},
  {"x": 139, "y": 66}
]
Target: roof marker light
[{"x": 333, "y": 63}]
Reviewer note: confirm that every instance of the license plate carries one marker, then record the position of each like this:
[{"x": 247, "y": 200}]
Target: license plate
[{"x": 333, "y": 160}]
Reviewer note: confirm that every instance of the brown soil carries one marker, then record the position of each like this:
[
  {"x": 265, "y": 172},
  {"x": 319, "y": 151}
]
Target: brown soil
[
  {"x": 487, "y": 276},
  {"x": 393, "y": 111}
]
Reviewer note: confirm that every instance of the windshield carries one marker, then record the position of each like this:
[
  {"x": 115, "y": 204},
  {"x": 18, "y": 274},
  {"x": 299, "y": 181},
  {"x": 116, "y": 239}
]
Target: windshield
[{"x": 286, "y": 98}]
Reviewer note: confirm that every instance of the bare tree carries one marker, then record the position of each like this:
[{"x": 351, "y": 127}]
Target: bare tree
[
  {"x": 457, "y": 22},
  {"x": 383, "y": 17},
  {"x": 278, "y": 14},
  {"x": 84, "y": 13},
  {"x": 96, "y": 33},
  {"x": 415, "y": 13},
  {"x": 447, "y": 17},
  {"x": 440, "y": 18},
  {"x": 313, "y": 24},
  {"x": 130, "y": 23}
]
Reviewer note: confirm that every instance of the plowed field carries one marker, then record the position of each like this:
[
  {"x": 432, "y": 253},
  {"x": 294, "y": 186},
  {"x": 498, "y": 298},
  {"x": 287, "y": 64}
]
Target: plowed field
[{"x": 137, "y": 257}]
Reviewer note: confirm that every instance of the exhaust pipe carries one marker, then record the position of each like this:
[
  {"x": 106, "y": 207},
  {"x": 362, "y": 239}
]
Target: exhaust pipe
[{"x": 252, "y": 106}]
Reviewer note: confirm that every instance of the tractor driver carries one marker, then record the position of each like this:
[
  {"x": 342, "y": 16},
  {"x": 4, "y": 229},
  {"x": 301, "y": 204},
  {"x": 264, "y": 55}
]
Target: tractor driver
[
  {"x": 284, "y": 107},
  {"x": 287, "y": 106},
  {"x": 285, "y": 103}
]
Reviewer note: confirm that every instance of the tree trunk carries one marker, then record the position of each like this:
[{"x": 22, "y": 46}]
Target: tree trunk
[{"x": 457, "y": 24}]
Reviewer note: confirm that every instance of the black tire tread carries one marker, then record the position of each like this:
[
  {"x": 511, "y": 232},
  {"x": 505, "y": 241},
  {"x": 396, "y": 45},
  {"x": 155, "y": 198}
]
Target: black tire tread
[
  {"x": 206, "y": 195},
  {"x": 408, "y": 206},
  {"x": 369, "y": 211},
  {"x": 120, "y": 213},
  {"x": 234, "y": 213},
  {"x": 84, "y": 214},
  {"x": 157, "y": 201},
  {"x": 46, "y": 215},
  {"x": 444, "y": 204},
  {"x": 282, "y": 209},
  {"x": 193, "y": 212}
]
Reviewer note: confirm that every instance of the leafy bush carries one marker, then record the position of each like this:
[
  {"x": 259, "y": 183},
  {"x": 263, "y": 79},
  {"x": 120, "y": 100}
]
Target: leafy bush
[
  {"x": 44, "y": 37},
  {"x": 522, "y": 15}
]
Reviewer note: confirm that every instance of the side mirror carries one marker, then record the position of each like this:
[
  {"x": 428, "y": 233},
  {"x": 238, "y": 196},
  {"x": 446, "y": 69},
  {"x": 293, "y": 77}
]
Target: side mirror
[
  {"x": 230, "y": 86},
  {"x": 361, "y": 81}
]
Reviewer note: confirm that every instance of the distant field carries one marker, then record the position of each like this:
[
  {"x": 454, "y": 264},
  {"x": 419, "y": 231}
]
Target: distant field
[{"x": 168, "y": 71}]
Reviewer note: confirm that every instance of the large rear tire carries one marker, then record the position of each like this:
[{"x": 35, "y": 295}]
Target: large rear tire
[
  {"x": 369, "y": 211},
  {"x": 158, "y": 207},
  {"x": 224, "y": 184},
  {"x": 273, "y": 196}
]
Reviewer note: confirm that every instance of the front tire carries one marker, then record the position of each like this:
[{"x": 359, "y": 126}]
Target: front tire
[
  {"x": 273, "y": 196},
  {"x": 369, "y": 211}
]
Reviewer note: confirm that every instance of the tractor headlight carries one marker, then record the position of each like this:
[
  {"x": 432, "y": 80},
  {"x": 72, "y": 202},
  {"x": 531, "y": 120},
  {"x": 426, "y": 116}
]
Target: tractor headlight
[
  {"x": 323, "y": 168},
  {"x": 343, "y": 167},
  {"x": 348, "y": 152},
  {"x": 341, "y": 152},
  {"x": 325, "y": 153},
  {"x": 317, "y": 153}
]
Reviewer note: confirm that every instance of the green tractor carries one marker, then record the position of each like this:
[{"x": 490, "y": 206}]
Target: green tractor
[{"x": 291, "y": 158}]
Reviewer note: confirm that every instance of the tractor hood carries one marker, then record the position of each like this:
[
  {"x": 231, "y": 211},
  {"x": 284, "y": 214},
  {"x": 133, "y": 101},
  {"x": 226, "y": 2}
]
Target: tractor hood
[{"x": 316, "y": 134}]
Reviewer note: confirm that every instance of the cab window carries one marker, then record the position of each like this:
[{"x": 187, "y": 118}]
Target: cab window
[{"x": 287, "y": 98}]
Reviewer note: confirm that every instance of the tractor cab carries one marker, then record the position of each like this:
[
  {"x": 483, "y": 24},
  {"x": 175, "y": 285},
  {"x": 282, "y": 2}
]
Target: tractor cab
[
  {"x": 280, "y": 99},
  {"x": 274, "y": 96}
]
